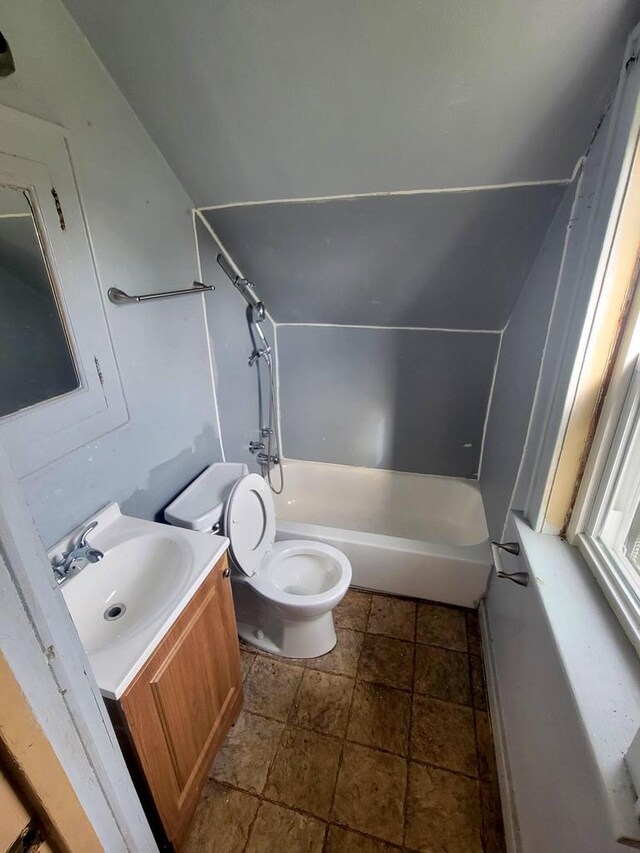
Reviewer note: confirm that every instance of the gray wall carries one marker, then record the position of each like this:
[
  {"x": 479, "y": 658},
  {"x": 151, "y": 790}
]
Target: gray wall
[
  {"x": 405, "y": 400},
  {"x": 443, "y": 260},
  {"x": 517, "y": 373},
  {"x": 142, "y": 234},
  {"x": 535, "y": 333},
  {"x": 242, "y": 390},
  {"x": 261, "y": 100},
  {"x": 584, "y": 247}
]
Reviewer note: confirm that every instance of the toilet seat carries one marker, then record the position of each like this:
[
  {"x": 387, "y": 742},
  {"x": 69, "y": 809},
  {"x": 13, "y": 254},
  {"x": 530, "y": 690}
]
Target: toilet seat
[
  {"x": 295, "y": 572},
  {"x": 303, "y": 573},
  {"x": 250, "y": 523}
]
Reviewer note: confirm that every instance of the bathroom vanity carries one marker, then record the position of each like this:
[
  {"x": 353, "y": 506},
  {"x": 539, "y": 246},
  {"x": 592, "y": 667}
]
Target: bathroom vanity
[
  {"x": 155, "y": 615},
  {"x": 171, "y": 720}
]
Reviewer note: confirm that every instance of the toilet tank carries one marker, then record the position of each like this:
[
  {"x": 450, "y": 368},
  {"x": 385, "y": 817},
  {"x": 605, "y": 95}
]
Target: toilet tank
[{"x": 201, "y": 504}]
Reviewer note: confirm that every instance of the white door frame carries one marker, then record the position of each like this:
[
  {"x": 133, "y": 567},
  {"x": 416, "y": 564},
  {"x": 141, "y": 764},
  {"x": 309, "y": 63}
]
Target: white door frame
[{"x": 42, "y": 647}]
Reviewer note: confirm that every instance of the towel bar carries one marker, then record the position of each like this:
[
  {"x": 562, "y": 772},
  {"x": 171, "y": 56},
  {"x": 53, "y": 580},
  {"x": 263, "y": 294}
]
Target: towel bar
[{"x": 119, "y": 297}]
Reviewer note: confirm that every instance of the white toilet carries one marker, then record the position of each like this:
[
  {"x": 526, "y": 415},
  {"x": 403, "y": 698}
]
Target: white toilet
[{"x": 283, "y": 592}]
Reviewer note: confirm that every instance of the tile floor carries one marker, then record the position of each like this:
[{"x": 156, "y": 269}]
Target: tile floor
[{"x": 382, "y": 745}]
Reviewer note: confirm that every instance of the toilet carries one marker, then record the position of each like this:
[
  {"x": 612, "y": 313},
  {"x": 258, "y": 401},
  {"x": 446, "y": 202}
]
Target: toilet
[{"x": 284, "y": 592}]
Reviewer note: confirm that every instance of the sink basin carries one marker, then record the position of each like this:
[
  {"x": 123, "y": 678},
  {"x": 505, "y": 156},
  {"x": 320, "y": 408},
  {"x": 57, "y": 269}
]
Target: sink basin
[
  {"x": 123, "y": 605},
  {"x": 133, "y": 584}
]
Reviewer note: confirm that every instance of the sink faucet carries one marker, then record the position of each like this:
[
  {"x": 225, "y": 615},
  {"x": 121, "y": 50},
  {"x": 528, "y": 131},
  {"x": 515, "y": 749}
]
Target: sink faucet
[{"x": 80, "y": 555}]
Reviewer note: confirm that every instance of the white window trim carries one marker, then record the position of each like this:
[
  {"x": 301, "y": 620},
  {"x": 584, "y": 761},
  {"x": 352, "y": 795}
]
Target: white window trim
[
  {"x": 36, "y": 154},
  {"x": 610, "y": 566},
  {"x": 620, "y": 416}
]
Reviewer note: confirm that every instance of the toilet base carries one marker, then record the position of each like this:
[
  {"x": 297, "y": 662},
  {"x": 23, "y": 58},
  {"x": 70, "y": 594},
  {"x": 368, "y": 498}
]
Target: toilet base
[
  {"x": 262, "y": 624},
  {"x": 310, "y": 639}
]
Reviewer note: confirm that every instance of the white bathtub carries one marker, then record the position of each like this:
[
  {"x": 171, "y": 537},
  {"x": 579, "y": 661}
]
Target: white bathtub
[{"x": 406, "y": 534}]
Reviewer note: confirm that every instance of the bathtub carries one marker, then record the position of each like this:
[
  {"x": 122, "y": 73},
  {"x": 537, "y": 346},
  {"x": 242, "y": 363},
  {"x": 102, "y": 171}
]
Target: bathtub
[{"x": 405, "y": 534}]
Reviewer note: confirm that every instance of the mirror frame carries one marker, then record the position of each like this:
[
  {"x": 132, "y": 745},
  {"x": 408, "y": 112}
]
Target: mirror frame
[{"x": 35, "y": 155}]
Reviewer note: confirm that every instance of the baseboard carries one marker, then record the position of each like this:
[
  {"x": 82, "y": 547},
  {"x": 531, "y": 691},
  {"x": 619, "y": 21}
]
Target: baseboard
[{"x": 509, "y": 815}]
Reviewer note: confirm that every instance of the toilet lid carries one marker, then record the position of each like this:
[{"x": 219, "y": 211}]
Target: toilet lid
[{"x": 250, "y": 522}]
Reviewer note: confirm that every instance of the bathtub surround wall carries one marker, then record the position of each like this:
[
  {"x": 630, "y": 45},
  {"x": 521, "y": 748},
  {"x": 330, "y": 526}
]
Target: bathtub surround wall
[
  {"x": 242, "y": 391},
  {"x": 532, "y": 348},
  {"x": 400, "y": 399},
  {"x": 440, "y": 260},
  {"x": 518, "y": 369},
  {"x": 387, "y": 332},
  {"x": 142, "y": 234}
]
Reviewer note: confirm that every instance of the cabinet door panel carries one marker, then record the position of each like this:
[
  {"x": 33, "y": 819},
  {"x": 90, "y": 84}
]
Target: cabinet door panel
[{"x": 193, "y": 687}]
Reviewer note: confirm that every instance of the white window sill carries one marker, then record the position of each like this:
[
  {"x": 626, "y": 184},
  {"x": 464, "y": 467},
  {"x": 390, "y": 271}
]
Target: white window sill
[{"x": 601, "y": 666}]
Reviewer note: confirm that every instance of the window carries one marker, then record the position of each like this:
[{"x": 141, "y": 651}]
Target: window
[
  {"x": 610, "y": 538},
  {"x": 60, "y": 386}
]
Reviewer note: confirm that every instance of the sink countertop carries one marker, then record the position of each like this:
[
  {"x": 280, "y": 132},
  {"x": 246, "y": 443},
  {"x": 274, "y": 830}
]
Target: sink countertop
[{"x": 117, "y": 650}]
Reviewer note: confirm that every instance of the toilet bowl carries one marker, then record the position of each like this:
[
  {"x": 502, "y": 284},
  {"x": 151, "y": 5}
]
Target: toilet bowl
[{"x": 283, "y": 592}]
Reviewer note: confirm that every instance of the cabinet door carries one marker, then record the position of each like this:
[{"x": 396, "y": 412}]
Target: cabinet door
[{"x": 184, "y": 700}]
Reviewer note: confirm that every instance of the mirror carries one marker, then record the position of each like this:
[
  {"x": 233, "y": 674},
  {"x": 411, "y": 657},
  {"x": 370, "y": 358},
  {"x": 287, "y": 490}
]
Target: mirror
[{"x": 36, "y": 361}]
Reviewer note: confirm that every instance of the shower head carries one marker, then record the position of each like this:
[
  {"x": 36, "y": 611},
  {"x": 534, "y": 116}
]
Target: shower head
[{"x": 244, "y": 286}]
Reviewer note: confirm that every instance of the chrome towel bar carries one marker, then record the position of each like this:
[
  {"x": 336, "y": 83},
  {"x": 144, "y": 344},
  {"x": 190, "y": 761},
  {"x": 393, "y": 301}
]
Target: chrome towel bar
[{"x": 119, "y": 297}]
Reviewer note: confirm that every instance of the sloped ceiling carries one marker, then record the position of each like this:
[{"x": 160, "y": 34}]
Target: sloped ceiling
[
  {"x": 264, "y": 99},
  {"x": 442, "y": 260}
]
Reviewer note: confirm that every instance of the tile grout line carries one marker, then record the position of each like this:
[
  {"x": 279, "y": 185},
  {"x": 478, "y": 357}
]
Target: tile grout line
[
  {"x": 253, "y": 821},
  {"x": 346, "y": 729},
  {"x": 295, "y": 698},
  {"x": 271, "y": 802},
  {"x": 410, "y": 738},
  {"x": 366, "y": 835}
]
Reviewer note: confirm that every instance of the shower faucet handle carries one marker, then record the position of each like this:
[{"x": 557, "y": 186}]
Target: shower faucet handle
[
  {"x": 265, "y": 459},
  {"x": 255, "y": 446}
]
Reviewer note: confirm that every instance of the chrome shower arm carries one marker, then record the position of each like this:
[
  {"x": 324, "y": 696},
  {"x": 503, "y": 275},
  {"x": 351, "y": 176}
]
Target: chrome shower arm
[{"x": 243, "y": 285}]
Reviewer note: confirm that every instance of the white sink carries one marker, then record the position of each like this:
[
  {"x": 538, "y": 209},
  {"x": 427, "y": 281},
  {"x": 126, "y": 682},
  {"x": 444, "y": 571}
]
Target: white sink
[{"x": 123, "y": 605}]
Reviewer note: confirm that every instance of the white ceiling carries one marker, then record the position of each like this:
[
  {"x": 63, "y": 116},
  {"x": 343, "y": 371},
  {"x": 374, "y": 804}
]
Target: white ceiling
[{"x": 266, "y": 99}]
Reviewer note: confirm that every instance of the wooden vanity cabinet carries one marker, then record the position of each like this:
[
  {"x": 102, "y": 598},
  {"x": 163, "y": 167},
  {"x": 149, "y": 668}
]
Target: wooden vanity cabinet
[{"x": 172, "y": 718}]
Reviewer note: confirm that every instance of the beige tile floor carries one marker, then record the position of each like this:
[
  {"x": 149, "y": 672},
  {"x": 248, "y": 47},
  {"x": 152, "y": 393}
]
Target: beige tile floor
[{"x": 382, "y": 745}]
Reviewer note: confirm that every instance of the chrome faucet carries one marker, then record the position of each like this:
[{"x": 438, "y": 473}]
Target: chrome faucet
[{"x": 80, "y": 555}]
